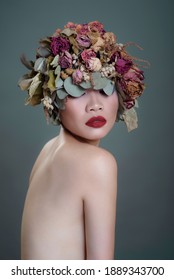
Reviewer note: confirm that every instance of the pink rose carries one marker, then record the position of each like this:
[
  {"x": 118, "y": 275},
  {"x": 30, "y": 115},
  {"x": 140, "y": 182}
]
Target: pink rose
[
  {"x": 87, "y": 54},
  {"x": 83, "y": 41},
  {"x": 65, "y": 60},
  {"x": 134, "y": 74},
  {"x": 70, "y": 25},
  {"x": 77, "y": 77}
]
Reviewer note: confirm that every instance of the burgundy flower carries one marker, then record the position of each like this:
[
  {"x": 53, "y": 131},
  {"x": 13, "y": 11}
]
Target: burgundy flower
[
  {"x": 59, "y": 44},
  {"x": 83, "y": 41},
  {"x": 65, "y": 60},
  {"x": 122, "y": 65},
  {"x": 129, "y": 104}
]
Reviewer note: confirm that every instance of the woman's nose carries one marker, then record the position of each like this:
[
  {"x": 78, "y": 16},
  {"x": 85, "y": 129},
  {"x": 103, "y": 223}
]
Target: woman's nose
[{"x": 94, "y": 103}]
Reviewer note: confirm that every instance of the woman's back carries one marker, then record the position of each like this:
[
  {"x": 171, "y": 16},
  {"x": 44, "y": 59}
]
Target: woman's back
[{"x": 53, "y": 223}]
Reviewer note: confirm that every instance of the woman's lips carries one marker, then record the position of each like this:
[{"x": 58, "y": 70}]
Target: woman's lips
[{"x": 96, "y": 122}]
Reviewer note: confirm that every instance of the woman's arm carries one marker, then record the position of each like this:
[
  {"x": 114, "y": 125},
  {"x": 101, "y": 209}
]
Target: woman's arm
[{"x": 100, "y": 207}]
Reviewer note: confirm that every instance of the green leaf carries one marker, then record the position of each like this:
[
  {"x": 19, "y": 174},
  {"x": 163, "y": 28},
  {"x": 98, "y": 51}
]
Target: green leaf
[
  {"x": 61, "y": 93},
  {"x": 55, "y": 61},
  {"x": 59, "y": 83},
  {"x": 86, "y": 84},
  {"x": 99, "y": 82},
  {"x": 72, "y": 89},
  {"x": 109, "y": 88}
]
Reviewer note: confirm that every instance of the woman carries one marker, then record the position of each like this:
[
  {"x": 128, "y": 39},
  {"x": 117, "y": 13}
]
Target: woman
[{"x": 86, "y": 81}]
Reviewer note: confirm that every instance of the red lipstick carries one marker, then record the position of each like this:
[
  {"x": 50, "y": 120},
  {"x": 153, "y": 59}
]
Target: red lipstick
[{"x": 96, "y": 122}]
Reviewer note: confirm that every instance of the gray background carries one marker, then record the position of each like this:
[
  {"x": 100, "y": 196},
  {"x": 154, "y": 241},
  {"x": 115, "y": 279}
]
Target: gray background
[{"x": 145, "y": 226}]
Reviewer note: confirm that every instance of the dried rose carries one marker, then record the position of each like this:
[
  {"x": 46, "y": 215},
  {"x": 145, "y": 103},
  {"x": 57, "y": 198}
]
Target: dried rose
[
  {"x": 94, "y": 64},
  {"x": 129, "y": 103},
  {"x": 77, "y": 77},
  {"x": 98, "y": 45},
  {"x": 134, "y": 74},
  {"x": 83, "y": 41},
  {"x": 96, "y": 26},
  {"x": 133, "y": 89},
  {"x": 122, "y": 65},
  {"x": 82, "y": 28},
  {"x": 87, "y": 54},
  {"x": 70, "y": 25},
  {"x": 59, "y": 44},
  {"x": 65, "y": 60},
  {"x": 109, "y": 41}
]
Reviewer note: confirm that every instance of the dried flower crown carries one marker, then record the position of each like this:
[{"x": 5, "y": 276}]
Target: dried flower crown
[{"x": 79, "y": 57}]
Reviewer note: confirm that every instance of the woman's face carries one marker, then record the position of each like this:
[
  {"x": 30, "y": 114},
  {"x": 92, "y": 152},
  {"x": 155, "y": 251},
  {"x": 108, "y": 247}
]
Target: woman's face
[{"x": 90, "y": 116}]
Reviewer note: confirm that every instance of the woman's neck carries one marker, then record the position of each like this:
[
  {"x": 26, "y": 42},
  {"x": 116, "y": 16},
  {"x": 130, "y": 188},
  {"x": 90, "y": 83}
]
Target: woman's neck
[{"x": 65, "y": 135}]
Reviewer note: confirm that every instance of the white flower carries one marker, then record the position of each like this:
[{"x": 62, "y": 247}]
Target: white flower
[
  {"x": 94, "y": 64},
  {"x": 47, "y": 101}
]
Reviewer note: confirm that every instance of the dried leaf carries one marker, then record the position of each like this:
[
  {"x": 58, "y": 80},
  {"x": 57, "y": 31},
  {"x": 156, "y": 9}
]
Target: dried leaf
[
  {"x": 51, "y": 81},
  {"x": 68, "y": 32},
  {"x": 25, "y": 82},
  {"x": 72, "y": 89},
  {"x": 35, "y": 99},
  {"x": 34, "y": 85},
  {"x": 74, "y": 44},
  {"x": 130, "y": 118},
  {"x": 40, "y": 65},
  {"x": 28, "y": 63}
]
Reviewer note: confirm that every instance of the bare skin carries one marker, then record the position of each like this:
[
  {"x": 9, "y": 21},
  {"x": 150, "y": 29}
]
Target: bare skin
[{"x": 70, "y": 206}]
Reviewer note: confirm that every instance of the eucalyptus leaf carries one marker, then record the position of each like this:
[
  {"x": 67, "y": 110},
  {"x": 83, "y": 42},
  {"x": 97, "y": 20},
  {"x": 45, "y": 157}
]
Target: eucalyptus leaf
[
  {"x": 72, "y": 89},
  {"x": 109, "y": 88},
  {"x": 61, "y": 93},
  {"x": 99, "y": 81},
  {"x": 40, "y": 65},
  {"x": 86, "y": 84},
  {"x": 60, "y": 104},
  {"x": 57, "y": 70},
  {"x": 68, "y": 32},
  {"x": 43, "y": 52},
  {"x": 59, "y": 83}
]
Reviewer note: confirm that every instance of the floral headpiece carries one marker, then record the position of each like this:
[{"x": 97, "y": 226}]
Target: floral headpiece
[{"x": 79, "y": 57}]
